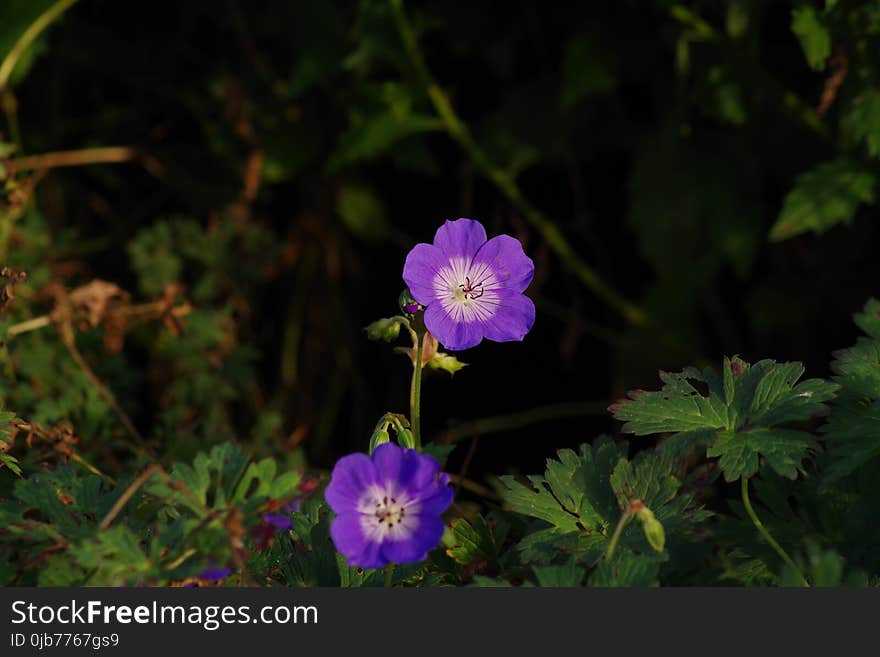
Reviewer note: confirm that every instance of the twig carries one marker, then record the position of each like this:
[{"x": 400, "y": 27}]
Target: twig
[
  {"x": 102, "y": 155},
  {"x": 104, "y": 391},
  {"x": 29, "y": 325},
  {"x": 128, "y": 494},
  {"x": 149, "y": 308},
  {"x": 154, "y": 469}
]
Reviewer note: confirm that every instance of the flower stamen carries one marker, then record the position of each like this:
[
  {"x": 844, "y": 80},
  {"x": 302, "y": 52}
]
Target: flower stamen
[{"x": 467, "y": 288}]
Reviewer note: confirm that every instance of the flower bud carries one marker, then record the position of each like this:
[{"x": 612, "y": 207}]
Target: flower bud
[
  {"x": 653, "y": 528},
  {"x": 408, "y": 305},
  {"x": 379, "y": 436},
  {"x": 405, "y": 438}
]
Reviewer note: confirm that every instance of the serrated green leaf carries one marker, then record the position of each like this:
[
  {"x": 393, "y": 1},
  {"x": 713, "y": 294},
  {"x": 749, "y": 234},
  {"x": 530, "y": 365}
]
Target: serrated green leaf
[
  {"x": 862, "y": 122},
  {"x": 626, "y": 569},
  {"x": 113, "y": 556},
  {"x": 783, "y": 449},
  {"x": 568, "y": 574},
  {"x": 828, "y": 194},
  {"x": 740, "y": 413},
  {"x": 477, "y": 540},
  {"x": 678, "y": 407},
  {"x": 582, "y": 496},
  {"x": 853, "y": 428}
]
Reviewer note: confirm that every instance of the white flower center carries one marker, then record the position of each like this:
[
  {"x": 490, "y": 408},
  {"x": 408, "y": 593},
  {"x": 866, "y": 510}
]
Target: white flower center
[
  {"x": 387, "y": 514},
  {"x": 467, "y": 291}
]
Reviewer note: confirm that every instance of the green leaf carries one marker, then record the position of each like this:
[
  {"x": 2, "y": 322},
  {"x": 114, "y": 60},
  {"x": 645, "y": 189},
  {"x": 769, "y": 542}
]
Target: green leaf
[
  {"x": 813, "y": 35},
  {"x": 568, "y": 574},
  {"x": 583, "y": 494},
  {"x": 584, "y": 72},
  {"x": 375, "y": 132},
  {"x": 445, "y": 363},
  {"x": 387, "y": 328},
  {"x": 626, "y": 569},
  {"x": 824, "y": 568},
  {"x": 678, "y": 406},
  {"x": 362, "y": 212},
  {"x": 853, "y": 428},
  {"x": 113, "y": 557},
  {"x": 862, "y": 122},
  {"x": 827, "y": 195},
  {"x": 477, "y": 540},
  {"x": 736, "y": 416},
  {"x": 10, "y": 462},
  {"x": 222, "y": 478},
  {"x": 306, "y": 555},
  {"x": 783, "y": 449}
]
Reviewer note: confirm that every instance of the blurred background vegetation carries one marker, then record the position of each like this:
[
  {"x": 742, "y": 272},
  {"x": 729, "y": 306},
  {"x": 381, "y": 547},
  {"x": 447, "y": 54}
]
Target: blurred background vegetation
[{"x": 211, "y": 200}]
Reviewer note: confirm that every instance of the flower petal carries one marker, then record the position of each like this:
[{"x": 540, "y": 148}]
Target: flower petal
[
  {"x": 460, "y": 238},
  {"x": 351, "y": 476},
  {"x": 453, "y": 335},
  {"x": 348, "y": 535},
  {"x": 389, "y": 459},
  {"x": 435, "y": 502},
  {"x": 505, "y": 262},
  {"x": 419, "y": 270},
  {"x": 423, "y": 472},
  {"x": 425, "y": 537},
  {"x": 513, "y": 318}
]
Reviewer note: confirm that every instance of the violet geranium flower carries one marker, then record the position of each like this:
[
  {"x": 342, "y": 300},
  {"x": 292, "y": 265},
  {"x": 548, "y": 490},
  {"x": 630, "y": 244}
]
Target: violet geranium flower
[
  {"x": 472, "y": 288},
  {"x": 387, "y": 506}
]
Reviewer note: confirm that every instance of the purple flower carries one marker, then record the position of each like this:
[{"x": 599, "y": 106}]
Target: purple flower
[
  {"x": 472, "y": 288},
  {"x": 281, "y": 520},
  {"x": 387, "y": 507},
  {"x": 212, "y": 575}
]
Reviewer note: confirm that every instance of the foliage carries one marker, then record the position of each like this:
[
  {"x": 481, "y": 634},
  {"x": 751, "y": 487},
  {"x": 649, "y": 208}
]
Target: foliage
[
  {"x": 192, "y": 237},
  {"x": 741, "y": 419}
]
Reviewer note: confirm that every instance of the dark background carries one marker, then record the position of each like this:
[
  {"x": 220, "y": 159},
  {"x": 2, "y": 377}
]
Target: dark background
[{"x": 663, "y": 158}]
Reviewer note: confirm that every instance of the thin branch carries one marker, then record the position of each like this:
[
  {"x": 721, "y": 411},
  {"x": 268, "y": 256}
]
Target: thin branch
[
  {"x": 85, "y": 156},
  {"x": 128, "y": 494},
  {"x": 104, "y": 391},
  {"x": 154, "y": 469},
  {"x": 29, "y": 325}
]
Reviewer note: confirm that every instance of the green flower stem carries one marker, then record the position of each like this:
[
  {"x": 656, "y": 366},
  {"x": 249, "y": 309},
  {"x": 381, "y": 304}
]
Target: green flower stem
[
  {"x": 767, "y": 537},
  {"x": 615, "y": 537},
  {"x": 415, "y": 392},
  {"x": 389, "y": 575},
  {"x": 505, "y": 183},
  {"x": 32, "y": 32}
]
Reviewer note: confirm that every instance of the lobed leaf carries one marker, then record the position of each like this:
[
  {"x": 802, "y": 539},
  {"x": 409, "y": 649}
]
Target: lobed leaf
[
  {"x": 736, "y": 416},
  {"x": 853, "y": 428}
]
